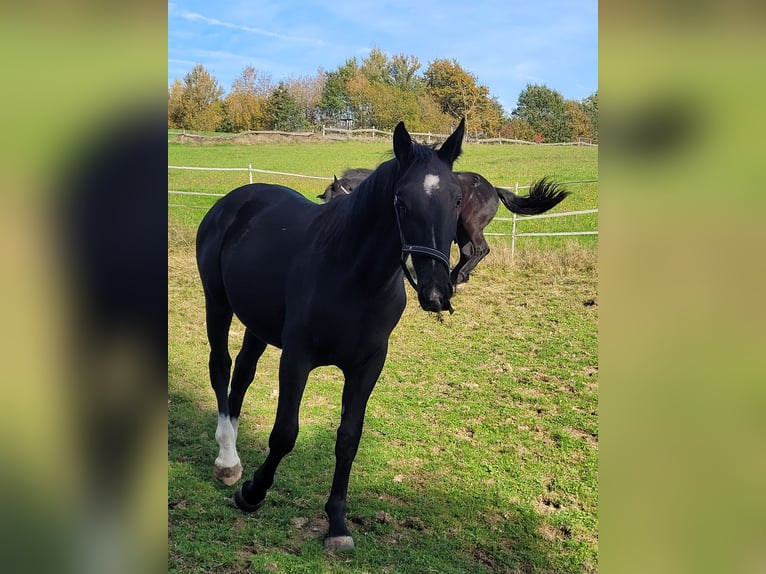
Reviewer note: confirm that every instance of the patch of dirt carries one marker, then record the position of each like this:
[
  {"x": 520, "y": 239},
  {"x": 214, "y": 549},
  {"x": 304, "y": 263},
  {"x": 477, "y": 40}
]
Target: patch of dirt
[
  {"x": 466, "y": 434},
  {"x": 591, "y": 439},
  {"x": 549, "y": 532},
  {"x": 305, "y": 530},
  {"x": 546, "y": 504},
  {"x": 489, "y": 561}
]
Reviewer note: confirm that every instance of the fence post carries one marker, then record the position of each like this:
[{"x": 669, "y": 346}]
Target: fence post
[{"x": 250, "y": 171}]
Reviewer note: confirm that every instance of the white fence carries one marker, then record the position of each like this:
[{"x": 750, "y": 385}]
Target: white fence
[
  {"x": 371, "y": 133},
  {"x": 515, "y": 219}
]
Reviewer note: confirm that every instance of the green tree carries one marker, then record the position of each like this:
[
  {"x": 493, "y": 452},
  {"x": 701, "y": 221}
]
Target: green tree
[
  {"x": 376, "y": 67},
  {"x": 403, "y": 73},
  {"x": 282, "y": 110},
  {"x": 591, "y": 105},
  {"x": 544, "y": 110},
  {"x": 335, "y": 99}
]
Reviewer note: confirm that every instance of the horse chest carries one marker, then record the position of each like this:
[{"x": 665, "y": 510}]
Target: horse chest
[{"x": 342, "y": 326}]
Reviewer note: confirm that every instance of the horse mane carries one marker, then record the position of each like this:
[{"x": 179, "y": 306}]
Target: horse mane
[
  {"x": 346, "y": 211},
  {"x": 374, "y": 195}
]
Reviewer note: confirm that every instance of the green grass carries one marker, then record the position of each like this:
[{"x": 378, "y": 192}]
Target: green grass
[{"x": 481, "y": 437}]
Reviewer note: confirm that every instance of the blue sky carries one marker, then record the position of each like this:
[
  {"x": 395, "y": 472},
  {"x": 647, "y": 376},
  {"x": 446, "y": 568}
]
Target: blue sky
[{"x": 506, "y": 44}]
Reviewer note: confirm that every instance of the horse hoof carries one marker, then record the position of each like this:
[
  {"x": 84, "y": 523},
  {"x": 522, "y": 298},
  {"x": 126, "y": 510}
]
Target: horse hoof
[
  {"x": 243, "y": 504},
  {"x": 228, "y": 476},
  {"x": 339, "y": 543}
]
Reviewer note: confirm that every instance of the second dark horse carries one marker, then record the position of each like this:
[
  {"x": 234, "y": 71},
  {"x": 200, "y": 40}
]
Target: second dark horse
[{"x": 480, "y": 202}]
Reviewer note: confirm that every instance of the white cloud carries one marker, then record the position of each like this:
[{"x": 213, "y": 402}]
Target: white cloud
[{"x": 195, "y": 17}]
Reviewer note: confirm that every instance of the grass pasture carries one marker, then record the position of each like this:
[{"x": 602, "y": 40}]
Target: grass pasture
[{"x": 480, "y": 449}]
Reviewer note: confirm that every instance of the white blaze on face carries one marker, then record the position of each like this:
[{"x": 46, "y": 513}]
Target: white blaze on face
[{"x": 430, "y": 183}]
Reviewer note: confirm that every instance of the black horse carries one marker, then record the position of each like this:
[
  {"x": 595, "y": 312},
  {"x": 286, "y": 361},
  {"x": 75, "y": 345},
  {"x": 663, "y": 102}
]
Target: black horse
[
  {"x": 307, "y": 277},
  {"x": 479, "y": 206}
]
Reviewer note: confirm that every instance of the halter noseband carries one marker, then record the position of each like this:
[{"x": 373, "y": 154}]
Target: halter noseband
[{"x": 408, "y": 249}]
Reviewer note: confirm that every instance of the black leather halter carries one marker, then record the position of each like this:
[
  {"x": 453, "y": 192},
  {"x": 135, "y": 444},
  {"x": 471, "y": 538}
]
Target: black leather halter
[{"x": 408, "y": 249}]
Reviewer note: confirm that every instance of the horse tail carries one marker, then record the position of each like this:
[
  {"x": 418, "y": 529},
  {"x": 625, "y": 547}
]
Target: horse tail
[{"x": 543, "y": 195}]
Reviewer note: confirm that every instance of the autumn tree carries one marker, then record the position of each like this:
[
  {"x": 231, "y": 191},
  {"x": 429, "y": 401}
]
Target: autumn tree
[
  {"x": 246, "y": 102},
  {"x": 579, "y": 120},
  {"x": 432, "y": 118},
  {"x": 307, "y": 92},
  {"x": 517, "y": 129},
  {"x": 544, "y": 110},
  {"x": 382, "y": 105},
  {"x": 384, "y": 91},
  {"x": 458, "y": 94},
  {"x": 199, "y": 106},
  {"x": 175, "y": 105}
]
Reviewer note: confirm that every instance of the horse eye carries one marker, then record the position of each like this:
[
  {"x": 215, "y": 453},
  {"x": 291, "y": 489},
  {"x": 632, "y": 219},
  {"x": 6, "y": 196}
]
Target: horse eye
[{"x": 399, "y": 204}]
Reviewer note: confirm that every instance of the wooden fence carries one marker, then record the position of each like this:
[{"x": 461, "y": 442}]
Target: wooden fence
[{"x": 366, "y": 133}]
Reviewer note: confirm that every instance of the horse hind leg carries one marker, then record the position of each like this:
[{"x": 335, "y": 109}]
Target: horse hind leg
[
  {"x": 466, "y": 252},
  {"x": 473, "y": 248},
  {"x": 480, "y": 250},
  {"x": 228, "y": 466},
  {"x": 218, "y": 320}
]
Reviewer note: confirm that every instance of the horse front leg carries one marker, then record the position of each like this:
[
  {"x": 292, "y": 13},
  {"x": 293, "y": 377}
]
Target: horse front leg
[
  {"x": 294, "y": 369},
  {"x": 356, "y": 392}
]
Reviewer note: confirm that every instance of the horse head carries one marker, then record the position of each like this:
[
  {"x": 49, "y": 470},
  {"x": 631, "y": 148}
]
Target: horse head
[
  {"x": 348, "y": 182},
  {"x": 426, "y": 203}
]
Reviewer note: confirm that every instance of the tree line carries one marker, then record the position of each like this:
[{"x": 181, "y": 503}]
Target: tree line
[{"x": 377, "y": 91}]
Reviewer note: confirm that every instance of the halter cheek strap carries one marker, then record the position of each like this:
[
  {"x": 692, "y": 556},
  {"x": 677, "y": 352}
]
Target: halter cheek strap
[{"x": 423, "y": 250}]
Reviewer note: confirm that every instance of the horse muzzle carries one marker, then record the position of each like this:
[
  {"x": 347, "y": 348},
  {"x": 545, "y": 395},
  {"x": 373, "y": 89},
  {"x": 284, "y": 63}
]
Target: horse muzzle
[
  {"x": 435, "y": 288},
  {"x": 435, "y": 300}
]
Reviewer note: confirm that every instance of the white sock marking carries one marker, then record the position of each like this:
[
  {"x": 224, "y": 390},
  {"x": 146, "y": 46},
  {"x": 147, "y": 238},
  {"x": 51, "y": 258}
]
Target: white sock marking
[{"x": 226, "y": 437}]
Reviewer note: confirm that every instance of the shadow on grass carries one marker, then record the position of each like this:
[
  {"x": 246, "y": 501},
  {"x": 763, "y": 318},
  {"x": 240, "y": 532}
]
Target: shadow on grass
[{"x": 397, "y": 527}]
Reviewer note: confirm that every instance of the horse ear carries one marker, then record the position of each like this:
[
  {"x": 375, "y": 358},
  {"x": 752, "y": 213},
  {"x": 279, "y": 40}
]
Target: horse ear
[
  {"x": 402, "y": 142},
  {"x": 453, "y": 146}
]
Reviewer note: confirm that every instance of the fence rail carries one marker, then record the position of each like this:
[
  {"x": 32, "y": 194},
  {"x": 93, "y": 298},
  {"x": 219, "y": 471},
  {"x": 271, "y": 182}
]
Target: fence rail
[
  {"x": 373, "y": 133},
  {"x": 515, "y": 219}
]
